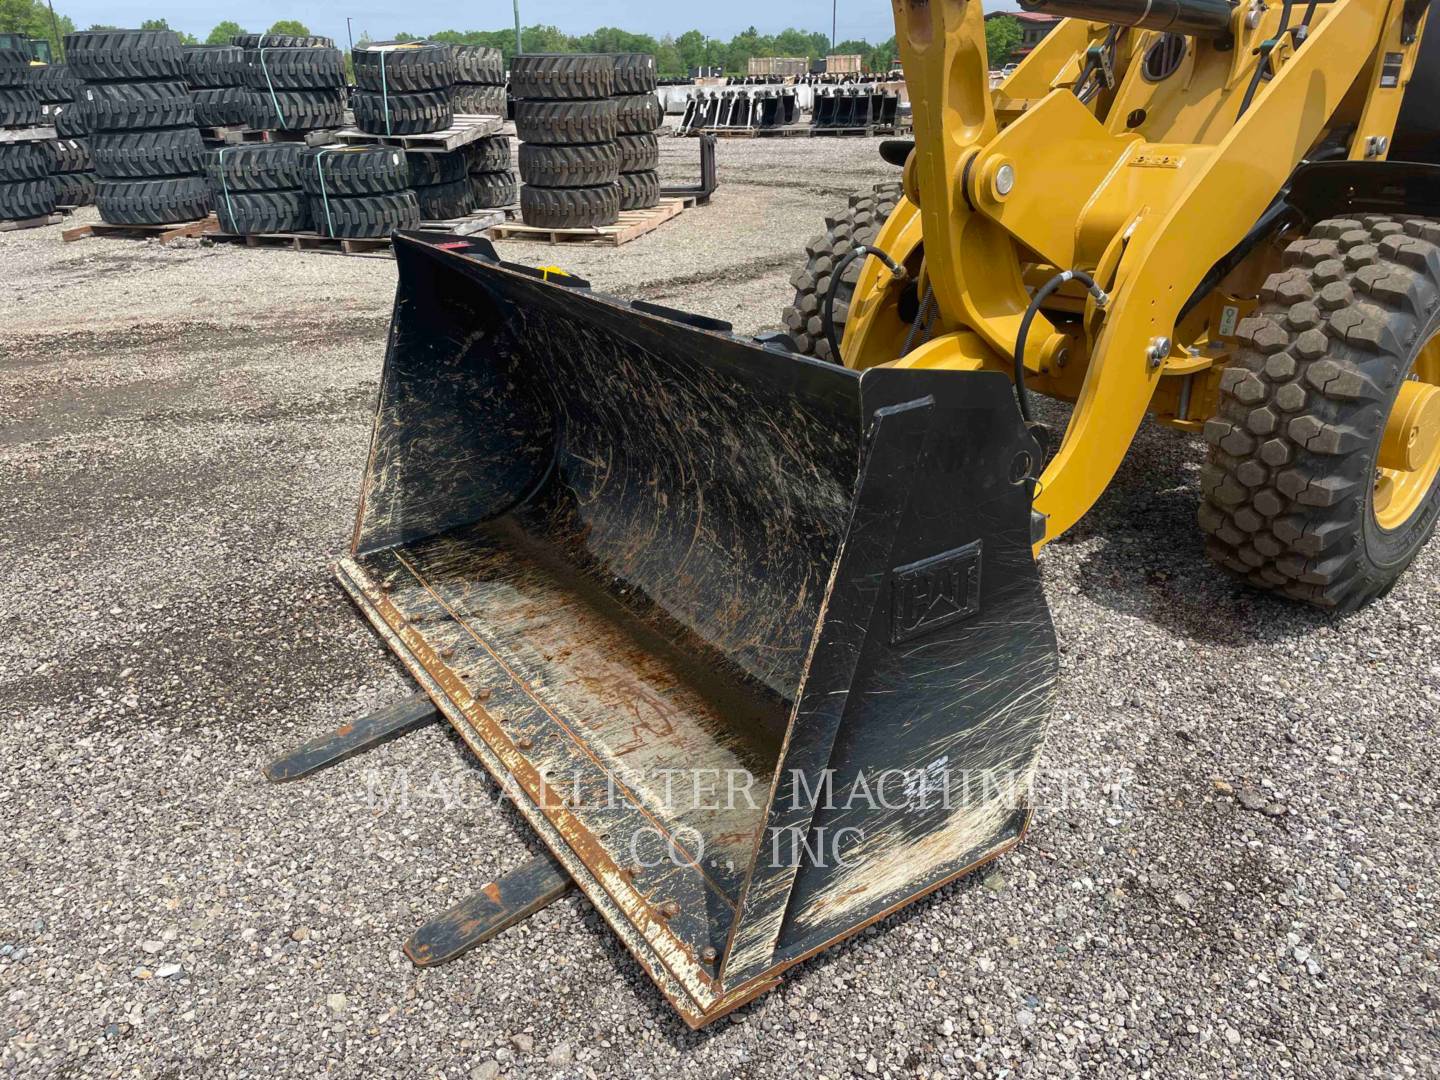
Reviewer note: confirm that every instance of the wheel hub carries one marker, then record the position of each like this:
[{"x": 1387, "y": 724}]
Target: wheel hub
[{"x": 1409, "y": 459}]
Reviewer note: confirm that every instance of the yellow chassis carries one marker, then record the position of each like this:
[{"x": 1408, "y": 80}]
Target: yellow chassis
[{"x": 1147, "y": 187}]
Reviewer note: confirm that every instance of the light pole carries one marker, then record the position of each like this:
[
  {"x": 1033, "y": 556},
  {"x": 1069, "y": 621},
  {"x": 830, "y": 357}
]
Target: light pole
[
  {"x": 519, "y": 44},
  {"x": 349, "y": 33},
  {"x": 834, "y": 16}
]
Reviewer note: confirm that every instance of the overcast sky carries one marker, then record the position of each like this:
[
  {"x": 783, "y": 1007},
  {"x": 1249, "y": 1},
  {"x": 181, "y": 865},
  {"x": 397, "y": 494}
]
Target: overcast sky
[{"x": 870, "y": 19}]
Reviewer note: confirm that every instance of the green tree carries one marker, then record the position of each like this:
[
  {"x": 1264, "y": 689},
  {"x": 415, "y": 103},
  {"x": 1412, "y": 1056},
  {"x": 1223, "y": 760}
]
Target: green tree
[
  {"x": 294, "y": 27},
  {"x": 691, "y": 45},
  {"x": 609, "y": 39},
  {"x": 1002, "y": 34},
  {"x": 32, "y": 18},
  {"x": 223, "y": 32},
  {"x": 161, "y": 24},
  {"x": 667, "y": 58}
]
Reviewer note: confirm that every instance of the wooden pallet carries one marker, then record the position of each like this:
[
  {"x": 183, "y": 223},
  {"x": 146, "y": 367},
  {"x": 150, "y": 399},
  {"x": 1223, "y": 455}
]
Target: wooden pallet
[
  {"x": 477, "y": 221},
  {"x": 234, "y": 136},
  {"x": 31, "y": 223},
  {"x": 164, "y": 233},
  {"x": 309, "y": 241},
  {"x": 322, "y": 137},
  {"x": 466, "y": 129},
  {"x": 632, "y": 225},
  {"x": 27, "y": 134},
  {"x": 869, "y": 132}
]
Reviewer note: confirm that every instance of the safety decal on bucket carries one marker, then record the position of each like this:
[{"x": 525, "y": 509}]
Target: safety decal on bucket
[{"x": 934, "y": 592}]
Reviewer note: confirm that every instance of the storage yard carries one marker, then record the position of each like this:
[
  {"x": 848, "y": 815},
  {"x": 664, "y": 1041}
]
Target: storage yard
[{"x": 1232, "y": 869}]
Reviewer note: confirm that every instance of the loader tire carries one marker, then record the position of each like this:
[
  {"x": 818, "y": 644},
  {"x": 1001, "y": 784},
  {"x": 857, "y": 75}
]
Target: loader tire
[
  {"x": 294, "y": 68},
  {"x": 135, "y": 155},
  {"x": 21, "y": 199},
  {"x": 139, "y": 106},
  {"x": 282, "y": 41},
  {"x": 638, "y": 153},
  {"x": 69, "y": 155},
  {"x": 152, "y": 202},
  {"x": 353, "y": 170},
  {"x": 635, "y": 73},
  {"x": 639, "y": 191},
  {"x": 252, "y": 213},
  {"x": 71, "y": 119},
  {"x": 443, "y": 202},
  {"x": 480, "y": 65},
  {"x": 556, "y": 123},
  {"x": 638, "y": 114},
  {"x": 562, "y": 77},
  {"x": 402, "y": 114},
  {"x": 494, "y": 190},
  {"x": 472, "y": 99},
  {"x": 427, "y": 169},
  {"x": 1294, "y": 499},
  {"x": 858, "y": 224},
  {"x": 212, "y": 67},
  {"x": 54, "y": 83},
  {"x": 490, "y": 154},
  {"x": 569, "y": 208},
  {"x": 15, "y": 69},
  {"x": 404, "y": 68},
  {"x": 365, "y": 215},
  {"x": 254, "y": 167},
  {"x": 125, "y": 54},
  {"x": 19, "y": 107},
  {"x": 223, "y": 106},
  {"x": 587, "y": 165},
  {"x": 24, "y": 161},
  {"x": 73, "y": 188},
  {"x": 298, "y": 110}
]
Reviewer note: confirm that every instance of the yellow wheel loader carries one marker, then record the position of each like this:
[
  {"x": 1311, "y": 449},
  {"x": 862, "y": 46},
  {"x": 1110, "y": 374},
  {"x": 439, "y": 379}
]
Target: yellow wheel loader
[{"x": 755, "y": 640}]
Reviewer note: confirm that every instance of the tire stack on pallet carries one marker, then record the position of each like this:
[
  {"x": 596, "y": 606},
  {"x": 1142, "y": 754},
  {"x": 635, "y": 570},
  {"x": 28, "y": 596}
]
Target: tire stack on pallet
[
  {"x": 403, "y": 88},
  {"x": 71, "y": 173},
  {"x": 256, "y": 188},
  {"x": 147, "y": 151},
  {"x": 479, "y": 81},
  {"x": 298, "y": 83},
  {"x": 567, "y": 118},
  {"x": 358, "y": 191},
  {"x": 639, "y": 116},
  {"x": 216, "y": 77},
  {"x": 25, "y": 191},
  {"x": 492, "y": 174}
]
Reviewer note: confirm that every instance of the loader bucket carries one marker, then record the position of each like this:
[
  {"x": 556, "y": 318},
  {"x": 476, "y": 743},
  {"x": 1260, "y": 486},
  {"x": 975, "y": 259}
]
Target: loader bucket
[{"x": 685, "y": 595}]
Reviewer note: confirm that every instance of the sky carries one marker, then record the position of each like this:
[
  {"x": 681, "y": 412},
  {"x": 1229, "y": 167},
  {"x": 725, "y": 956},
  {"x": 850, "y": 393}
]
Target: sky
[{"x": 868, "y": 19}]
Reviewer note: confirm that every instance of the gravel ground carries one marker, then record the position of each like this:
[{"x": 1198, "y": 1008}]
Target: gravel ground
[{"x": 1233, "y": 872}]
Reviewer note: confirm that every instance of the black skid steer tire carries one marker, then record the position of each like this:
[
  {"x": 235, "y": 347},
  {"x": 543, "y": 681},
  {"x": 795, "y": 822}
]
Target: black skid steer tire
[
  {"x": 294, "y": 69},
  {"x": 638, "y": 114},
  {"x": 639, "y": 191},
  {"x": 365, "y": 215},
  {"x": 254, "y": 167},
  {"x": 135, "y": 155},
  {"x": 570, "y": 208},
  {"x": 1289, "y": 481},
  {"x": 490, "y": 154},
  {"x": 249, "y": 213},
  {"x": 74, "y": 188},
  {"x": 152, "y": 202},
  {"x": 858, "y": 224},
  {"x": 638, "y": 153},
  {"x": 480, "y": 65},
  {"x": 139, "y": 106},
  {"x": 445, "y": 201},
  {"x": 494, "y": 190},
  {"x": 96, "y": 55},
  {"x": 588, "y": 165},
  {"x": 24, "y": 199},
  {"x": 24, "y": 161},
  {"x": 562, "y": 76},
  {"x": 406, "y": 68},
  {"x": 556, "y": 123},
  {"x": 19, "y": 107},
  {"x": 635, "y": 73},
  {"x": 353, "y": 170},
  {"x": 402, "y": 114}
]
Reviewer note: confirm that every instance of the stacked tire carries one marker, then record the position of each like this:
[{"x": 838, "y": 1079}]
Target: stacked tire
[
  {"x": 25, "y": 190},
  {"x": 441, "y": 182},
  {"x": 492, "y": 175},
  {"x": 146, "y": 149},
  {"x": 216, "y": 77},
  {"x": 297, "y": 83},
  {"x": 403, "y": 88},
  {"x": 567, "y": 118},
  {"x": 358, "y": 191},
  {"x": 72, "y": 176},
  {"x": 638, "y": 115},
  {"x": 256, "y": 188},
  {"x": 479, "y": 87}
]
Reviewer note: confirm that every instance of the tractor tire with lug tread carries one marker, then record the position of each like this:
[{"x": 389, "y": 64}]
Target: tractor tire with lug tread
[
  {"x": 639, "y": 191},
  {"x": 74, "y": 188},
  {"x": 562, "y": 76},
  {"x": 635, "y": 73},
  {"x": 555, "y": 123},
  {"x": 139, "y": 106},
  {"x": 365, "y": 215},
  {"x": 98, "y": 55},
  {"x": 24, "y": 161},
  {"x": 639, "y": 114},
  {"x": 471, "y": 99},
  {"x": 427, "y": 168},
  {"x": 1291, "y": 499},
  {"x": 227, "y": 106},
  {"x": 253, "y": 213},
  {"x": 21, "y": 199},
  {"x": 70, "y": 119},
  {"x": 638, "y": 153},
  {"x": 442, "y": 202},
  {"x": 135, "y": 155},
  {"x": 282, "y": 41},
  {"x": 54, "y": 83},
  {"x": 15, "y": 69},
  {"x": 152, "y": 202},
  {"x": 490, "y": 154},
  {"x": 857, "y": 224},
  {"x": 254, "y": 167},
  {"x": 69, "y": 155},
  {"x": 298, "y": 110},
  {"x": 294, "y": 69},
  {"x": 406, "y": 68},
  {"x": 408, "y": 114},
  {"x": 479, "y": 64},
  {"x": 570, "y": 208},
  {"x": 212, "y": 67},
  {"x": 586, "y": 165},
  {"x": 494, "y": 190},
  {"x": 19, "y": 107},
  {"x": 353, "y": 170}
]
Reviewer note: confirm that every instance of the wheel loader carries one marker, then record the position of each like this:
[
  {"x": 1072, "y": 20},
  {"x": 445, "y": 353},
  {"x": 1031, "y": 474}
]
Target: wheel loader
[{"x": 755, "y": 640}]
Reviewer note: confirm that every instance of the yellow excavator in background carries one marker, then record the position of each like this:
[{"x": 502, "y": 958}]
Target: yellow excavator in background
[{"x": 617, "y": 544}]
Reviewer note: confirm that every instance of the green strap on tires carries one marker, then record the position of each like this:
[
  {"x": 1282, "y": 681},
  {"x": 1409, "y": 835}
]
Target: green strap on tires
[
  {"x": 385, "y": 92},
  {"x": 275, "y": 101},
  {"x": 324, "y": 191},
  {"x": 225, "y": 184}
]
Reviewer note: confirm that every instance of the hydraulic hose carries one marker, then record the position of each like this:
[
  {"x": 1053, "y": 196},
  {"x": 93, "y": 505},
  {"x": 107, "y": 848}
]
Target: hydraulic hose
[
  {"x": 1022, "y": 395},
  {"x": 827, "y": 313}
]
